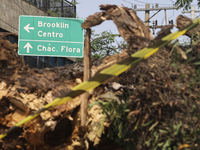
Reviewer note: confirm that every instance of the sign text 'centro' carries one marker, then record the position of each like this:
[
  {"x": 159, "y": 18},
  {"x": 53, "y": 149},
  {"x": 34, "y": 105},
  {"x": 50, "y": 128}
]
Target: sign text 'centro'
[
  {"x": 53, "y": 25},
  {"x": 50, "y": 36}
]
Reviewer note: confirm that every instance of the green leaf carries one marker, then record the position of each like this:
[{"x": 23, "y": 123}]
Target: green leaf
[
  {"x": 198, "y": 117},
  {"x": 103, "y": 44},
  {"x": 92, "y": 104},
  {"x": 193, "y": 107},
  {"x": 101, "y": 126},
  {"x": 167, "y": 128},
  {"x": 163, "y": 131},
  {"x": 173, "y": 47},
  {"x": 148, "y": 143},
  {"x": 197, "y": 63},
  {"x": 173, "y": 64},
  {"x": 167, "y": 144},
  {"x": 160, "y": 144},
  {"x": 188, "y": 60},
  {"x": 156, "y": 136},
  {"x": 176, "y": 128},
  {"x": 188, "y": 50},
  {"x": 127, "y": 110},
  {"x": 155, "y": 148},
  {"x": 153, "y": 125},
  {"x": 146, "y": 124}
]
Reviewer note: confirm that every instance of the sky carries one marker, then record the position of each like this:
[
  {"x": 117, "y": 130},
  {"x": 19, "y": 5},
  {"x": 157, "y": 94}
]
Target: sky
[{"x": 89, "y": 7}]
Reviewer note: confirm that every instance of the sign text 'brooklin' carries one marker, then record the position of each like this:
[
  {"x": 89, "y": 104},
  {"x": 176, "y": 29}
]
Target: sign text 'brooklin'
[
  {"x": 49, "y": 36},
  {"x": 51, "y": 25}
]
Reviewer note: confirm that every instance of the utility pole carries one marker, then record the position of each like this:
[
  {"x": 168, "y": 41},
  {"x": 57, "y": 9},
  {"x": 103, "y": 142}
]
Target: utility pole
[
  {"x": 156, "y": 8},
  {"x": 192, "y": 12},
  {"x": 147, "y": 9},
  {"x": 147, "y": 15},
  {"x": 165, "y": 17}
]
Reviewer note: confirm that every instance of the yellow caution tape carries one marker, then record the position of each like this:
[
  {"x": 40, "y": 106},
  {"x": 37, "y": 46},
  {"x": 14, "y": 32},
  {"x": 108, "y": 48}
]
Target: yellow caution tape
[{"x": 106, "y": 74}]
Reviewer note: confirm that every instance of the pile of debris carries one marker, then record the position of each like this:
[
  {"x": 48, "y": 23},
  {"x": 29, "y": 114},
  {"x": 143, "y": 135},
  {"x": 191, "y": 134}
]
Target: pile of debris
[{"x": 155, "y": 104}]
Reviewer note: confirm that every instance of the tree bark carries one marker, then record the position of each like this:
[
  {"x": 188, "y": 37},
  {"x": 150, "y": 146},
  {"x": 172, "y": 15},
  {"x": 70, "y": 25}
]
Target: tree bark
[
  {"x": 87, "y": 75},
  {"x": 24, "y": 91},
  {"x": 129, "y": 25},
  {"x": 182, "y": 21}
]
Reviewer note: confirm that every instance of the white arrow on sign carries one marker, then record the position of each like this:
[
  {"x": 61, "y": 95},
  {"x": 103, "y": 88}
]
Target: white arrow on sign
[
  {"x": 28, "y": 45},
  {"x": 27, "y": 28}
]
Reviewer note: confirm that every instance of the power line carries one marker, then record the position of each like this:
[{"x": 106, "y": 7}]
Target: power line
[
  {"x": 165, "y": 4},
  {"x": 171, "y": 15},
  {"x": 128, "y": 2},
  {"x": 162, "y": 20},
  {"x": 151, "y": 3},
  {"x": 173, "y": 10},
  {"x": 142, "y": 2},
  {"x": 20, "y": 7},
  {"x": 132, "y": 3},
  {"x": 153, "y": 15},
  {"x": 148, "y": 3}
]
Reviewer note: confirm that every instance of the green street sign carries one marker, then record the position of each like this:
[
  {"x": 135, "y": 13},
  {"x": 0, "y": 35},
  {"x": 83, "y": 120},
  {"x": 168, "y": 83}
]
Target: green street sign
[{"x": 50, "y": 36}]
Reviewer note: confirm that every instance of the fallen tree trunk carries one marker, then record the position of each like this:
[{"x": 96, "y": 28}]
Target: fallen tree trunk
[
  {"x": 24, "y": 91},
  {"x": 129, "y": 25},
  {"x": 182, "y": 21}
]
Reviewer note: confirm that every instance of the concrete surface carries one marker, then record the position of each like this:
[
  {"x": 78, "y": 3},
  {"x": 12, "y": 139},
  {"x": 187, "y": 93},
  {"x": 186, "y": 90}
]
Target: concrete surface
[{"x": 10, "y": 11}]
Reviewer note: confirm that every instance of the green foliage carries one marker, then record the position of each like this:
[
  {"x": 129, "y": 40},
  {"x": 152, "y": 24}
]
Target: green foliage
[
  {"x": 52, "y": 13},
  {"x": 67, "y": 11},
  {"x": 170, "y": 136},
  {"x": 73, "y": 3},
  {"x": 179, "y": 127},
  {"x": 189, "y": 47},
  {"x": 79, "y": 60},
  {"x": 193, "y": 59},
  {"x": 117, "y": 114},
  {"x": 176, "y": 57},
  {"x": 185, "y": 3},
  {"x": 103, "y": 44},
  {"x": 185, "y": 129}
]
